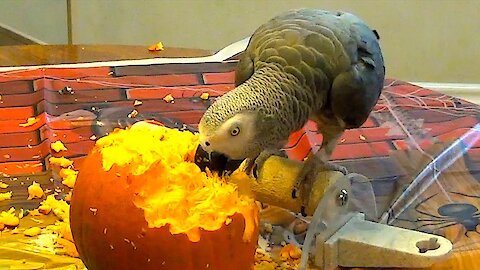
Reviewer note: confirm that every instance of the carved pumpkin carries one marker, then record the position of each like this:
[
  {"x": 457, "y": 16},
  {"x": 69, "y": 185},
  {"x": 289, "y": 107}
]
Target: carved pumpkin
[{"x": 141, "y": 203}]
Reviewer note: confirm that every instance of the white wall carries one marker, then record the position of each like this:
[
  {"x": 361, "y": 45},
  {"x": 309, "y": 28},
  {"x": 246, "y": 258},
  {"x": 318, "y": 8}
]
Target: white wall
[
  {"x": 423, "y": 40},
  {"x": 43, "y": 20}
]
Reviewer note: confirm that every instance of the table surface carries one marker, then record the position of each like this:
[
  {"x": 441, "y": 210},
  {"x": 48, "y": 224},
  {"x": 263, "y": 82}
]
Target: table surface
[{"x": 30, "y": 55}]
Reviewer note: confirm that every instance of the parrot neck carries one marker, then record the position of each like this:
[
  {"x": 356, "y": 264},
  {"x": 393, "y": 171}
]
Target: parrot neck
[{"x": 279, "y": 95}]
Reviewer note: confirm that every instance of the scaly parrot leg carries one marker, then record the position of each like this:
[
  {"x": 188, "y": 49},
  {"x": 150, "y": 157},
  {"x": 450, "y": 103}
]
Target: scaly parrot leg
[{"x": 316, "y": 163}]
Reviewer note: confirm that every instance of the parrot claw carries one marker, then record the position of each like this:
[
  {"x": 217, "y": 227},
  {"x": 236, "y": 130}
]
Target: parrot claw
[
  {"x": 308, "y": 175},
  {"x": 253, "y": 165}
]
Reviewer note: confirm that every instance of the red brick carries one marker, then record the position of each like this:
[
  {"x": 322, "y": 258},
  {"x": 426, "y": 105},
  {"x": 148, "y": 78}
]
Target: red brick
[
  {"x": 401, "y": 145},
  {"x": 34, "y": 152},
  {"x": 77, "y": 161},
  {"x": 70, "y": 135},
  {"x": 369, "y": 123},
  {"x": 84, "y": 96},
  {"x": 361, "y": 150},
  {"x": 404, "y": 145},
  {"x": 77, "y": 72},
  {"x": 178, "y": 92},
  {"x": 215, "y": 78},
  {"x": 300, "y": 149},
  {"x": 19, "y": 168},
  {"x": 41, "y": 106},
  {"x": 15, "y": 87},
  {"x": 68, "y": 124},
  {"x": 180, "y": 104},
  {"x": 77, "y": 148},
  {"x": 18, "y": 139},
  {"x": 295, "y": 137},
  {"x": 474, "y": 153},
  {"x": 409, "y": 89},
  {"x": 118, "y": 82},
  {"x": 473, "y": 140},
  {"x": 16, "y": 113},
  {"x": 19, "y": 100},
  {"x": 26, "y": 74},
  {"x": 60, "y": 109},
  {"x": 424, "y": 102},
  {"x": 437, "y": 129},
  {"x": 188, "y": 117},
  {"x": 12, "y": 126}
]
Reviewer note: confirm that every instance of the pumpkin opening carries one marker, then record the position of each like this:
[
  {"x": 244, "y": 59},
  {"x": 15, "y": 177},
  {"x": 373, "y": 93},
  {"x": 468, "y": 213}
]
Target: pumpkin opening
[{"x": 169, "y": 187}]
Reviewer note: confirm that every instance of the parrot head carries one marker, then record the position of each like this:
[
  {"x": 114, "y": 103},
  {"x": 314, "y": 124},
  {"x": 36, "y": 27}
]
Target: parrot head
[{"x": 236, "y": 137}]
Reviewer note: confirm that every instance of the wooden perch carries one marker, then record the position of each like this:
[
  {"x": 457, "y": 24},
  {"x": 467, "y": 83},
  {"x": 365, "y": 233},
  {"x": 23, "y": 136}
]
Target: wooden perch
[{"x": 275, "y": 183}]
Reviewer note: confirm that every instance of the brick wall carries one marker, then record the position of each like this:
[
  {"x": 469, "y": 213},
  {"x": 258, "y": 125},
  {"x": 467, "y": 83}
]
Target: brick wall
[{"x": 405, "y": 112}]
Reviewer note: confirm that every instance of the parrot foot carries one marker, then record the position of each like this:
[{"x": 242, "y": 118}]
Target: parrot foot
[
  {"x": 253, "y": 165},
  {"x": 307, "y": 176}
]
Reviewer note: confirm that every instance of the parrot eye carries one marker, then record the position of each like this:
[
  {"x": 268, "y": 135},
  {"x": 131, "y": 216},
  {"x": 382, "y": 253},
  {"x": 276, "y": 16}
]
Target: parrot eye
[{"x": 235, "y": 131}]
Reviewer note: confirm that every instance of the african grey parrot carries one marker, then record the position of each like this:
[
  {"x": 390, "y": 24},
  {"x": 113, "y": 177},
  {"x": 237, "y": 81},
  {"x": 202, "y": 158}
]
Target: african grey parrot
[{"x": 303, "y": 64}]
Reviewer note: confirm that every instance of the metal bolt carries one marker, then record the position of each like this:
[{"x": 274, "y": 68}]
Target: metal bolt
[{"x": 342, "y": 197}]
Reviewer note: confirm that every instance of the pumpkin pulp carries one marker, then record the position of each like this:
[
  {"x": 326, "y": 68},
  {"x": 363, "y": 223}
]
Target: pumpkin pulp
[{"x": 169, "y": 187}]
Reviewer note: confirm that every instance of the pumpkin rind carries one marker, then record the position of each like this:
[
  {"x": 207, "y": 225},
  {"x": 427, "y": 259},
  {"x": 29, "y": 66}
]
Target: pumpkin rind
[{"x": 110, "y": 231}]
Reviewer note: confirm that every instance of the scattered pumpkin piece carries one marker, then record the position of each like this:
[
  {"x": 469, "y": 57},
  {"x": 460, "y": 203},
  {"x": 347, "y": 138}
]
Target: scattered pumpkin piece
[
  {"x": 5, "y": 196},
  {"x": 3, "y": 185},
  {"x": 33, "y": 231},
  {"x": 133, "y": 114},
  {"x": 68, "y": 198},
  {"x": 45, "y": 209},
  {"x": 290, "y": 252},
  {"x": 30, "y": 121},
  {"x": 204, "y": 96},
  {"x": 61, "y": 161},
  {"x": 35, "y": 191},
  {"x": 68, "y": 247},
  {"x": 137, "y": 103},
  {"x": 60, "y": 208},
  {"x": 7, "y": 156},
  {"x": 58, "y": 146},
  {"x": 8, "y": 218},
  {"x": 169, "y": 98},
  {"x": 156, "y": 47},
  {"x": 69, "y": 177},
  {"x": 362, "y": 137}
]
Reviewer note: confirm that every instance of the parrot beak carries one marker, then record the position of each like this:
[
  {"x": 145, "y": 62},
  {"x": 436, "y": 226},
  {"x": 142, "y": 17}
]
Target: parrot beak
[{"x": 216, "y": 162}]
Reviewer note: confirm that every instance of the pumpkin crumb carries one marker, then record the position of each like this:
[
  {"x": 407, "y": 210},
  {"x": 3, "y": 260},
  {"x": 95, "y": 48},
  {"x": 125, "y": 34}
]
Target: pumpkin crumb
[
  {"x": 69, "y": 177},
  {"x": 33, "y": 231},
  {"x": 58, "y": 146},
  {"x": 5, "y": 196},
  {"x": 8, "y": 218},
  {"x": 204, "y": 96},
  {"x": 45, "y": 209},
  {"x": 35, "y": 191},
  {"x": 61, "y": 161},
  {"x": 94, "y": 210},
  {"x": 156, "y": 47},
  {"x": 169, "y": 98},
  {"x": 133, "y": 114},
  {"x": 30, "y": 122},
  {"x": 137, "y": 103}
]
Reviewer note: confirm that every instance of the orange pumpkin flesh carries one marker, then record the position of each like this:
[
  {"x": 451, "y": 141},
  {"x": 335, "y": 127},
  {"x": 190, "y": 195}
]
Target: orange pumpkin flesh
[{"x": 140, "y": 207}]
